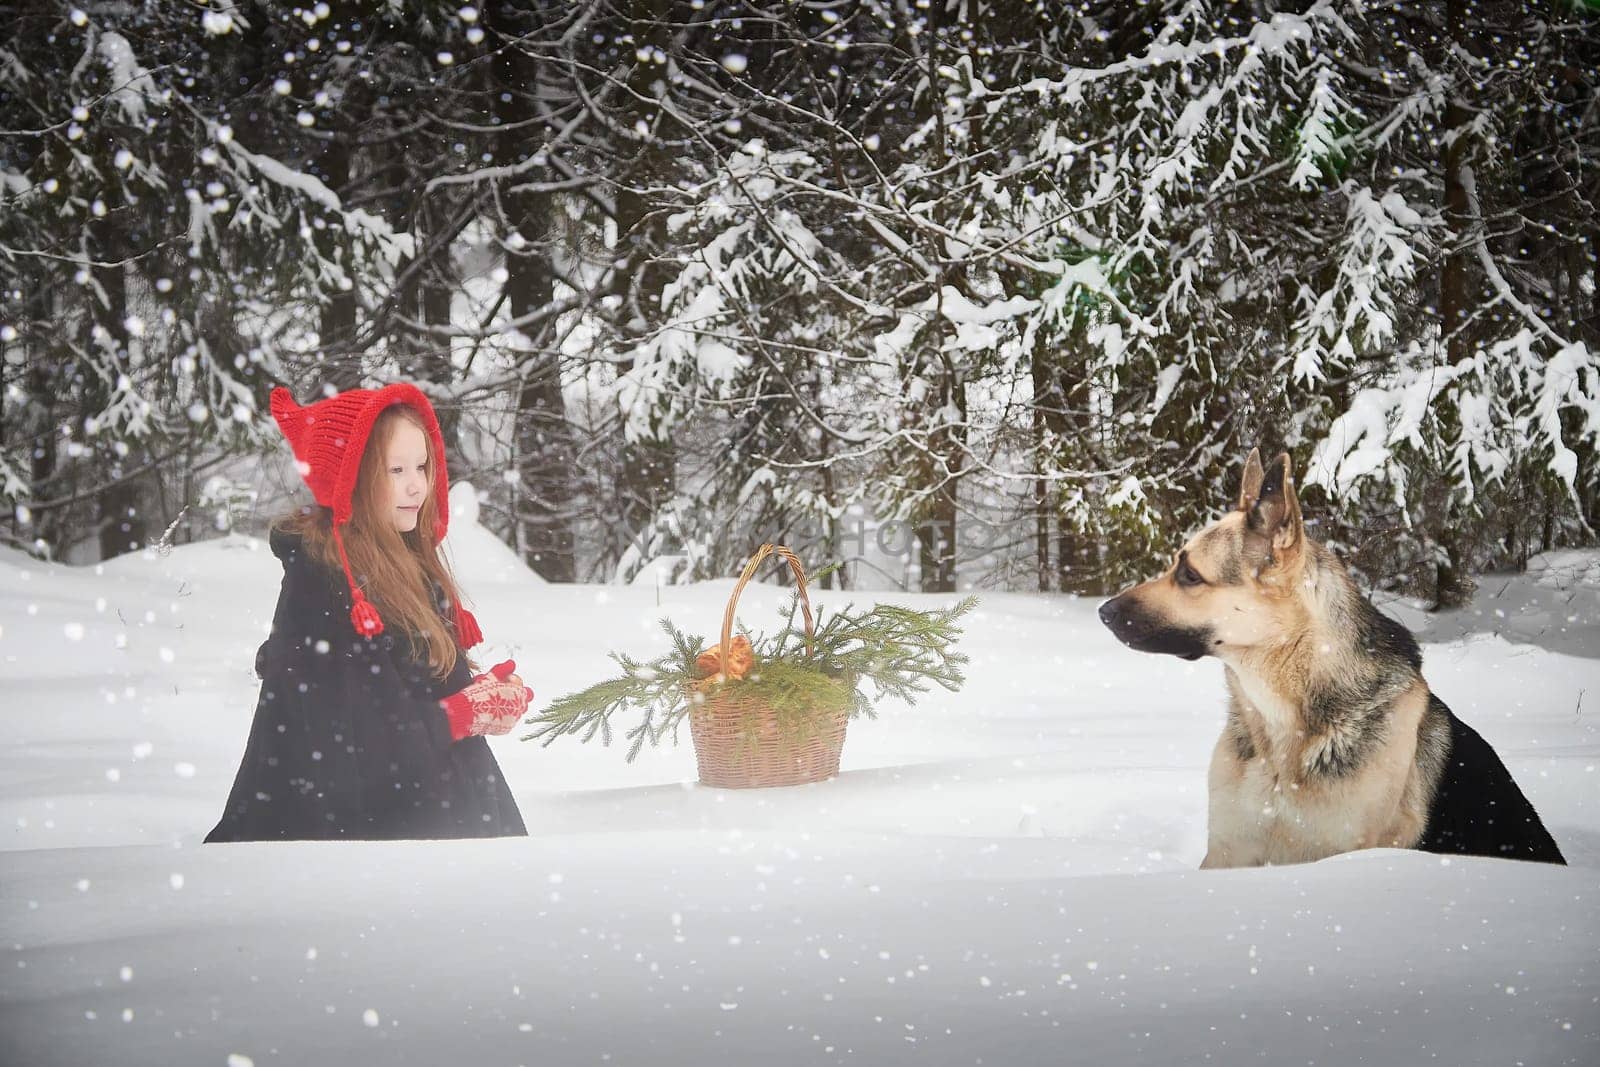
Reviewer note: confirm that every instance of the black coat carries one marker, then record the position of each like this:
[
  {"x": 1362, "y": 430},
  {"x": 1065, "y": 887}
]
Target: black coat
[{"x": 349, "y": 740}]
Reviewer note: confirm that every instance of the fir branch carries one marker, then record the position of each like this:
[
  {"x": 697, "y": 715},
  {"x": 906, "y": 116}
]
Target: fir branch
[
  {"x": 900, "y": 650},
  {"x": 656, "y": 689}
]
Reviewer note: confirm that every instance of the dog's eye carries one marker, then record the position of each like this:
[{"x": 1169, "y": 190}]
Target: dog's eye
[{"x": 1188, "y": 576}]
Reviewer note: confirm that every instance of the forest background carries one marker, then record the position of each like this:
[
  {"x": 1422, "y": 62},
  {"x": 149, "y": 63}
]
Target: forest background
[{"x": 1005, "y": 290}]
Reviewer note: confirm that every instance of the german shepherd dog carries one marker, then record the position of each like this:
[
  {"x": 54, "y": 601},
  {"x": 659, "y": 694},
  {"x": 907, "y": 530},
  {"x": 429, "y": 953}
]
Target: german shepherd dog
[{"x": 1333, "y": 741}]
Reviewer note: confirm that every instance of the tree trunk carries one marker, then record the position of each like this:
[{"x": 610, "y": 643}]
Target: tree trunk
[
  {"x": 1594, "y": 279},
  {"x": 1078, "y": 568},
  {"x": 336, "y": 326},
  {"x": 43, "y": 388},
  {"x": 120, "y": 522},
  {"x": 936, "y": 545},
  {"x": 429, "y": 356},
  {"x": 546, "y": 489},
  {"x": 647, "y": 477},
  {"x": 1043, "y": 391},
  {"x": 1452, "y": 585},
  {"x": 938, "y": 474}
]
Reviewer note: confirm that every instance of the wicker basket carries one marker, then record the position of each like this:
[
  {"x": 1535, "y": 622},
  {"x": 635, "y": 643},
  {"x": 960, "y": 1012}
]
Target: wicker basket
[{"x": 739, "y": 741}]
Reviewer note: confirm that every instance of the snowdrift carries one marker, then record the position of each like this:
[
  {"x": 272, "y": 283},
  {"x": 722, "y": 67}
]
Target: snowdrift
[{"x": 1004, "y": 876}]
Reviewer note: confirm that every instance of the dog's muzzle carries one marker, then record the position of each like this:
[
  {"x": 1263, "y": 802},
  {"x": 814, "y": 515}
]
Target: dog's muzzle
[{"x": 1135, "y": 627}]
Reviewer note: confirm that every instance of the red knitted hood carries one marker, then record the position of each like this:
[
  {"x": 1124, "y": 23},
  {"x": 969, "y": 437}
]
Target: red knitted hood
[{"x": 328, "y": 439}]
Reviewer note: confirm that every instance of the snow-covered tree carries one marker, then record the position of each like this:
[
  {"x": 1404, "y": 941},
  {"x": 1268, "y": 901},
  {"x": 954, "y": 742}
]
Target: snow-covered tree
[{"x": 682, "y": 277}]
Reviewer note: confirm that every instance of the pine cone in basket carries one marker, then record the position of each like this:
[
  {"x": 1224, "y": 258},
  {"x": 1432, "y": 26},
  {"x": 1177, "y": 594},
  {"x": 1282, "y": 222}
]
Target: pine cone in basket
[{"x": 741, "y": 657}]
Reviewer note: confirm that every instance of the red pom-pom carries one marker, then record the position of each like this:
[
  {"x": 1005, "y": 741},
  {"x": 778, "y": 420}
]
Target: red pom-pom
[
  {"x": 365, "y": 618},
  {"x": 467, "y": 631}
]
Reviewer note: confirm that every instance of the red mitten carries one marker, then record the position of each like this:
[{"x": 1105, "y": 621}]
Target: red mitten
[{"x": 492, "y": 704}]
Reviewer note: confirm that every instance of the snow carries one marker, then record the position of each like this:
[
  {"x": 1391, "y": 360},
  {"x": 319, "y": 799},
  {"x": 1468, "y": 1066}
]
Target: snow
[
  {"x": 1002, "y": 876},
  {"x": 1318, "y": 133},
  {"x": 475, "y": 551},
  {"x": 393, "y": 246},
  {"x": 1361, "y": 442},
  {"x": 1562, "y": 388},
  {"x": 131, "y": 85}
]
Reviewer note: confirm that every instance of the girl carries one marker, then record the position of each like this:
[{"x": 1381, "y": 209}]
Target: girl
[{"x": 370, "y": 723}]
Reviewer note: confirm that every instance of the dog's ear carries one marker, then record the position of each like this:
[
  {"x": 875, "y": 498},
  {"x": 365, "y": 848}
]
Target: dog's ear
[
  {"x": 1250, "y": 484},
  {"x": 1276, "y": 511}
]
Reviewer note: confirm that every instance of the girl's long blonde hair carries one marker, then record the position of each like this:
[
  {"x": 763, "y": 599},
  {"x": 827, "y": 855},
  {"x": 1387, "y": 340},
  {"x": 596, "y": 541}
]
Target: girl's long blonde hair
[{"x": 397, "y": 571}]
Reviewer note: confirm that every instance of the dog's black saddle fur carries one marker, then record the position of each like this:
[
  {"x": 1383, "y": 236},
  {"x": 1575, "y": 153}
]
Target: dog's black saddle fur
[{"x": 1478, "y": 809}]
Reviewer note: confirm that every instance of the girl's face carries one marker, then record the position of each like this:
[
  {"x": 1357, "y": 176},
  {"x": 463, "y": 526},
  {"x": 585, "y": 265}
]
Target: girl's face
[{"x": 407, "y": 479}]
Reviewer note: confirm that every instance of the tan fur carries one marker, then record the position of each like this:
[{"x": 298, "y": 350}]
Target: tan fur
[
  {"x": 1269, "y": 810},
  {"x": 1327, "y": 748}
]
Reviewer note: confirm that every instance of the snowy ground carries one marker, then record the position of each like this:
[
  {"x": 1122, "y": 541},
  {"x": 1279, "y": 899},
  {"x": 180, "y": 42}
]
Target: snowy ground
[{"x": 1004, "y": 876}]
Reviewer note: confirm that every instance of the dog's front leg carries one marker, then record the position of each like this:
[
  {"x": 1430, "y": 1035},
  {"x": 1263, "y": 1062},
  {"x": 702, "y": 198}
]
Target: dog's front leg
[
  {"x": 1222, "y": 853},
  {"x": 1235, "y": 836}
]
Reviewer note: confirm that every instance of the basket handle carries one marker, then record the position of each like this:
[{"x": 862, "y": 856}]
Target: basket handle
[{"x": 744, "y": 579}]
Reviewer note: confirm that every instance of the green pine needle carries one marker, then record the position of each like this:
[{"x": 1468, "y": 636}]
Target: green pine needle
[{"x": 900, "y": 651}]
